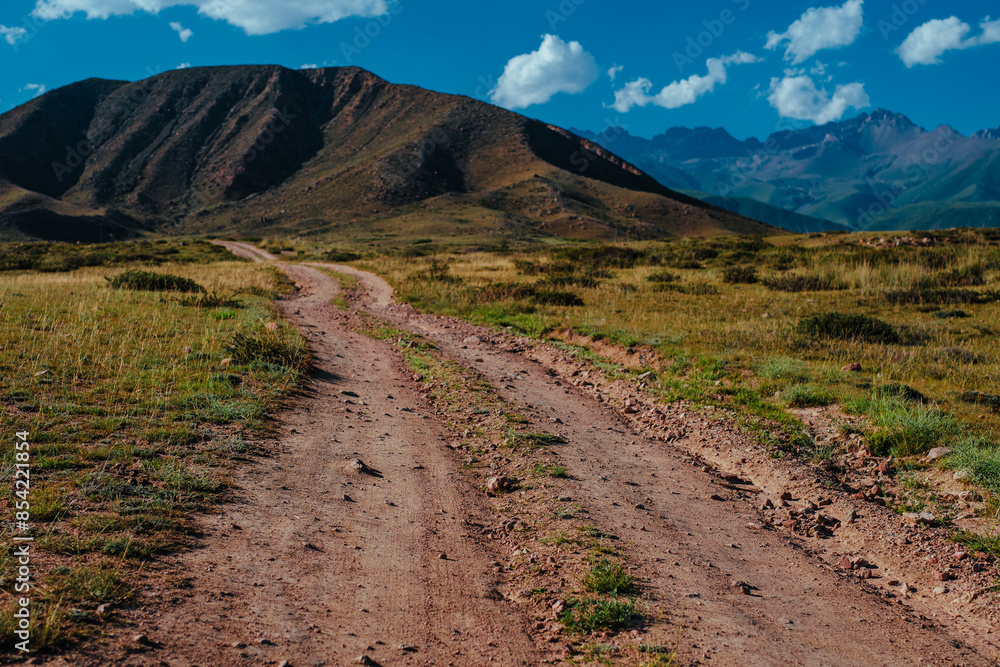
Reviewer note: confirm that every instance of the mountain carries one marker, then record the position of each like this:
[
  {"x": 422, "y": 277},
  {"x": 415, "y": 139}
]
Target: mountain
[
  {"x": 336, "y": 151},
  {"x": 869, "y": 171}
]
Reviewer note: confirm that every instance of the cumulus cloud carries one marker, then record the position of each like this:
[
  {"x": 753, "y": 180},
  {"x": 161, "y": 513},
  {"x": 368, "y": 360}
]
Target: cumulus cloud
[
  {"x": 12, "y": 34},
  {"x": 928, "y": 42},
  {"x": 798, "y": 97},
  {"x": 818, "y": 29},
  {"x": 36, "y": 88},
  {"x": 679, "y": 93},
  {"x": 613, "y": 72},
  {"x": 534, "y": 78},
  {"x": 255, "y": 17},
  {"x": 310, "y": 66},
  {"x": 182, "y": 32},
  {"x": 184, "y": 66}
]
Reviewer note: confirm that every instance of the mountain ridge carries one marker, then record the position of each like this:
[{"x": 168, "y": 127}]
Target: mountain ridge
[
  {"x": 265, "y": 148},
  {"x": 863, "y": 172}
]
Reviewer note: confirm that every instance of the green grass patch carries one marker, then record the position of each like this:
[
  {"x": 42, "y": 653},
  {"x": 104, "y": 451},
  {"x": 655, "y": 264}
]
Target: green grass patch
[
  {"x": 904, "y": 429},
  {"x": 121, "y": 390},
  {"x": 548, "y": 470},
  {"x": 588, "y": 616},
  {"x": 979, "y": 458},
  {"x": 784, "y": 369},
  {"x": 607, "y": 577},
  {"x": 807, "y": 396},
  {"x": 975, "y": 542},
  {"x": 530, "y": 439}
]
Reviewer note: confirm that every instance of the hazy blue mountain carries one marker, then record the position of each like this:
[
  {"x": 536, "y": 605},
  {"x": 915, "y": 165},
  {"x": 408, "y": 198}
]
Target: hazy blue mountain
[{"x": 876, "y": 171}]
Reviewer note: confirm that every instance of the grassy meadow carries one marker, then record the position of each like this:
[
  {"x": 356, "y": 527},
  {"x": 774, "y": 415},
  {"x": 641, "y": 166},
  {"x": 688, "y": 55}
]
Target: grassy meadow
[
  {"x": 143, "y": 370},
  {"x": 764, "y": 325},
  {"x": 137, "y": 393}
]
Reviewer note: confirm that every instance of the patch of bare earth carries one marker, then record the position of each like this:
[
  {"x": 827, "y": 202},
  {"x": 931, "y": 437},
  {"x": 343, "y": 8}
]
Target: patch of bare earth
[{"x": 406, "y": 559}]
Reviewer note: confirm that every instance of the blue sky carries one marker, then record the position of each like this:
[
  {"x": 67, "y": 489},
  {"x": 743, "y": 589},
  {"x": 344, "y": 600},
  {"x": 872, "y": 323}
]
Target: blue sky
[{"x": 752, "y": 66}]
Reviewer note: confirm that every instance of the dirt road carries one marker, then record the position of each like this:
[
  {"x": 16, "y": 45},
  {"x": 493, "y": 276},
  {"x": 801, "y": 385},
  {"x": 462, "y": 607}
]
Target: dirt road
[{"x": 321, "y": 562}]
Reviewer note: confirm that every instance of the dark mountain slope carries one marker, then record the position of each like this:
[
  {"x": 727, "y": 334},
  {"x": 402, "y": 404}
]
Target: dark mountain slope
[{"x": 267, "y": 148}]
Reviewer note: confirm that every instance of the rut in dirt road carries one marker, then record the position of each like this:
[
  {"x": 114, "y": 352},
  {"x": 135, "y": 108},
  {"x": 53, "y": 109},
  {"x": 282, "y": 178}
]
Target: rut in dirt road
[
  {"x": 324, "y": 559},
  {"x": 690, "y": 543},
  {"x": 322, "y": 562}
]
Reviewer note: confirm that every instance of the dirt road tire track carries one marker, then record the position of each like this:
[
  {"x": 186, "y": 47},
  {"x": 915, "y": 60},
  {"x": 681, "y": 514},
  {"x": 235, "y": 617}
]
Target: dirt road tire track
[{"x": 322, "y": 579}]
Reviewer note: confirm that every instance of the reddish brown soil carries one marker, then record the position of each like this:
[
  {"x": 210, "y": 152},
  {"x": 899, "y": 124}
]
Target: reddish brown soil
[{"x": 322, "y": 580}]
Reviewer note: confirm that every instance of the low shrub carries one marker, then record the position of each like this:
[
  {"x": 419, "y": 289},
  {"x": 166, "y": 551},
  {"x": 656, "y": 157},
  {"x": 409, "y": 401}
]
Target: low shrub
[
  {"x": 969, "y": 276},
  {"x": 537, "y": 293},
  {"x": 938, "y": 296},
  {"x": 557, "y": 298},
  {"x": 961, "y": 355},
  {"x": 134, "y": 279},
  {"x": 618, "y": 257},
  {"x": 992, "y": 401},
  {"x": 950, "y": 314},
  {"x": 265, "y": 346},
  {"x": 848, "y": 326},
  {"x": 341, "y": 256},
  {"x": 662, "y": 277},
  {"x": 695, "y": 288},
  {"x": 682, "y": 263},
  {"x": 801, "y": 283},
  {"x": 900, "y": 391},
  {"x": 739, "y": 275},
  {"x": 526, "y": 267},
  {"x": 437, "y": 271},
  {"x": 210, "y": 301},
  {"x": 505, "y": 292}
]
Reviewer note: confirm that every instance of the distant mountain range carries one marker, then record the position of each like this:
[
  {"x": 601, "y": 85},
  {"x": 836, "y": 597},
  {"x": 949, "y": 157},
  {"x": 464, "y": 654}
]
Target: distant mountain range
[
  {"x": 878, "y": 171},
  {"x": 337, "y": 152}
]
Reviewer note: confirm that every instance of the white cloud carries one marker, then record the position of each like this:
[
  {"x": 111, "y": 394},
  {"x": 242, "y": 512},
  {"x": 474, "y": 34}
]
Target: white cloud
[
  {"x": 928, "y": 42},
  {"x": 534, "y": 78},
  {"x": 184, "y": 66},
  {"x": 255, "y": 17},
  {"x": 817, "y": 29},
  {"x": 797, "y": 97},
  {"x": 36, "y": 88},
  {"x": 12, "y": 34},
  {"x": 182, "y": 32},
  {"x": 679, "y": 93},
  {"x": 310, "y": 66},
  {"x": 613, "y": 72},
  {"x": 819, "y": 70}
]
